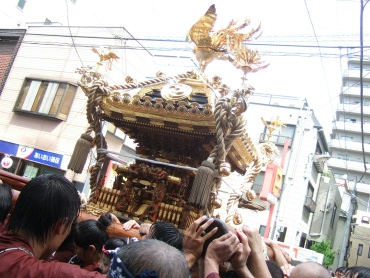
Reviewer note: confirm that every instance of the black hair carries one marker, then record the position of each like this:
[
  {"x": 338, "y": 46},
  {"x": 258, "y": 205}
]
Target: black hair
[
  {"x": 294, "y": 262},
  {"x": 92, "y": 232},
  {"x": 341, "y": 269},
  {"x": 358, "y": 272},
  {"x": 43, "y": 203},
  {"x": 229, "y": 274},
  {"x": 222, "y": 229},
  {"x": 168, "y": 233},
  {"x": 6, "y": 199},
  {"x": 274, "y": 269},
  {"x": 115, "y": 242},
  {"x": 68, "y": 241}
]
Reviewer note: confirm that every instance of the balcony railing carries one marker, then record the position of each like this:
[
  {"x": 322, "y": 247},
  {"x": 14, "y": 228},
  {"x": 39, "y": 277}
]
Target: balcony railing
[
  {"x": 355, "y": 74},
  {"x": 349, "y": 126},
  {"x": 348, "y": 145},
  {"x": 352, "y": 90},
  {"x": 276, "y": 139},
  {"x": 347, "y": 165},
  {"x": 352, "y": 108}
]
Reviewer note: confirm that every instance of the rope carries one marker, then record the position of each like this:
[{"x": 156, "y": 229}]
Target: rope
[{"x": 232, "y": 204}]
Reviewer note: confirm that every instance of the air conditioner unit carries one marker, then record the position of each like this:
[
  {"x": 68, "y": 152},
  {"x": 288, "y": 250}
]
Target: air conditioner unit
[{"x": 310, "y": 204}]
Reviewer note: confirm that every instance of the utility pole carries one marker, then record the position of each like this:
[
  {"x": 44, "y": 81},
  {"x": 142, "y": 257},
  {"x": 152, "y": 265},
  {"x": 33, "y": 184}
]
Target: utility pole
[{"x": 348, "y": 224}]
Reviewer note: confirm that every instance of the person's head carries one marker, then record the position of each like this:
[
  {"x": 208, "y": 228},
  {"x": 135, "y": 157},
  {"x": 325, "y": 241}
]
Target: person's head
[
  {"x": 6, "y": 199},
  {"x": 222, "y": 229},
  {"x": 45, "y": 210},
  {"x": 274, "y": 269},
  {"x": 111, "y": 244},
  {"x": 310, "y": 270},
  {"x": 340, "y": 271},
  {"x": 357, "y": 272},
  {"x": 89, "y": 236},
  {"x": 154, "y": 255},
  {"x": 166, "y": 232}
]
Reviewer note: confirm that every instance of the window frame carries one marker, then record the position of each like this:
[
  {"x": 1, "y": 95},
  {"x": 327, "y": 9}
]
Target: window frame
[
  {"x": 70, "y": 88},
  {"x": 333, "y": 214},
  {"x": 360, "y": 249}
]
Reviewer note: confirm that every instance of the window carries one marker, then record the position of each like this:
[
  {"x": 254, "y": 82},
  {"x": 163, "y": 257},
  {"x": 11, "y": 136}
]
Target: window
[
  {"x": 333, "y": 213},
  {"x": 365, "y": 219},
  {"x": 262, "y": 230},
  {"x": 21, "y": 4},
  {"x": 342, "y": 156},
  {"x": 46, "y": 98},
  {"x": 115, "y": 131},
  {"x": 349, "y": 120},
  {"x": 359, "y": 250},
  {"x": 368, "y": 254},
  {"x": 347, "y": 138},
  {"x": 47, "y": 21}
]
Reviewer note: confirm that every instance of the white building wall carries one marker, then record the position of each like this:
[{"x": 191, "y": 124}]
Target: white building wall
[
  {"x": 297, "y": 169},
  {"x": 48, "y": 57}
]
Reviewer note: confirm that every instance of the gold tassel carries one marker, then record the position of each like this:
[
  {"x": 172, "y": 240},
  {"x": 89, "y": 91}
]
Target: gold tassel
[
  {"x": 202, "y": 185},
  {"x": 80, "y": 153}
]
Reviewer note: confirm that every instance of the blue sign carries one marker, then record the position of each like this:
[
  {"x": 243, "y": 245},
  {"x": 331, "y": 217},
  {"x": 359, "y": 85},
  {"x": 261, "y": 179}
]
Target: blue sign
[
  {"x": 36, "y": 155},
  {"x": 41, "y": 156},
  {"x": 8, "y": 148}
]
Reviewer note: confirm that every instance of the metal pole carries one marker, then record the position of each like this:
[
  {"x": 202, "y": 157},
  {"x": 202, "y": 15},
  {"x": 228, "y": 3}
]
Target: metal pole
[{"x": 348, "y": 225}]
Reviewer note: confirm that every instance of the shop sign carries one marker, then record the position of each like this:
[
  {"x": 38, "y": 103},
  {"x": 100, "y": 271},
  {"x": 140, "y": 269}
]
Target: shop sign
[
  {"x": 48, "y": 158},
  {"x": 6, "y": 162}
]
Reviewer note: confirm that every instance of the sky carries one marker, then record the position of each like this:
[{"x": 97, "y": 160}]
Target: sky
[{"x": 304, "y": 41}]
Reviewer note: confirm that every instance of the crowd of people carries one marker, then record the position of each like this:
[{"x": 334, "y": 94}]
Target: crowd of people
[{"x": 41, "y": 236}]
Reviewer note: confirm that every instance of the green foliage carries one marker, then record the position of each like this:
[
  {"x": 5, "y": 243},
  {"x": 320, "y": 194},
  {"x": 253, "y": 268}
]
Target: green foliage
[
  {"x": 323, "y": 247},
  {"x": 325, "y": 174}
]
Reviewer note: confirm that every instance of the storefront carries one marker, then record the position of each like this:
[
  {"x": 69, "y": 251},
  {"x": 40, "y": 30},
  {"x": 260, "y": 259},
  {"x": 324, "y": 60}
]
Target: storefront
[{"x": 29, "y": 162}]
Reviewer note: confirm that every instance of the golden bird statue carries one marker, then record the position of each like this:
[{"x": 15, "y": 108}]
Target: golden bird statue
[
  {"x": 206, "y": 49},
  {"x": 106, "y": 55},
  {"x": 226, "y": 43}
]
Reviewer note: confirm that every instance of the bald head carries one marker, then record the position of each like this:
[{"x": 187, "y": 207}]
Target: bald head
[{"x": 310, "y": 270}]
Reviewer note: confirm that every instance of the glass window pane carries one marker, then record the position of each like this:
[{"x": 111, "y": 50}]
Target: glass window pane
[
  {"x": 39, "y": 96},
  {"x": 30, "y": 171},
  {"x": 30, "y": 95},
  {"x": 48, "y": 97},
  {"x": 21, "y": 4},
  {"x": 25, "y": 89},
  {"x": 359, "y": 250},
  {"x": 68, "y": 99},
  {"x": 57, "y": 99}
]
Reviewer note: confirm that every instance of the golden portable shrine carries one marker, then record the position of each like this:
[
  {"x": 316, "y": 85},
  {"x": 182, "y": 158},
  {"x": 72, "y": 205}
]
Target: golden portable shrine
[{"x": 190, "y": 132}]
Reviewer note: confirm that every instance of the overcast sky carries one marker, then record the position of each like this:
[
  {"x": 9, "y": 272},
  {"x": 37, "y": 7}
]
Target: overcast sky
[{"x": 310, "y": 72}]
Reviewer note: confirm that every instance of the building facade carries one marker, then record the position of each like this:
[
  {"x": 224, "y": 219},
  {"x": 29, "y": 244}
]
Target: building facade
[
  {"x": 296, "y": 219},
  {"x": 42, "y": 108},
  {"x": 350, "y": 149},
  {"x": 359, "y": 245}
]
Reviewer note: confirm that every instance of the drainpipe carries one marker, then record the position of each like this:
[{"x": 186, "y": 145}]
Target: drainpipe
[{"x": 348, "y": 225}]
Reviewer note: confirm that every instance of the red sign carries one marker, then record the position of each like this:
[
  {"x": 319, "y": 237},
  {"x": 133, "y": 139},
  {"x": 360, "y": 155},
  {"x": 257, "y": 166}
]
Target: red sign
[{"x": 272, "y": 182}]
